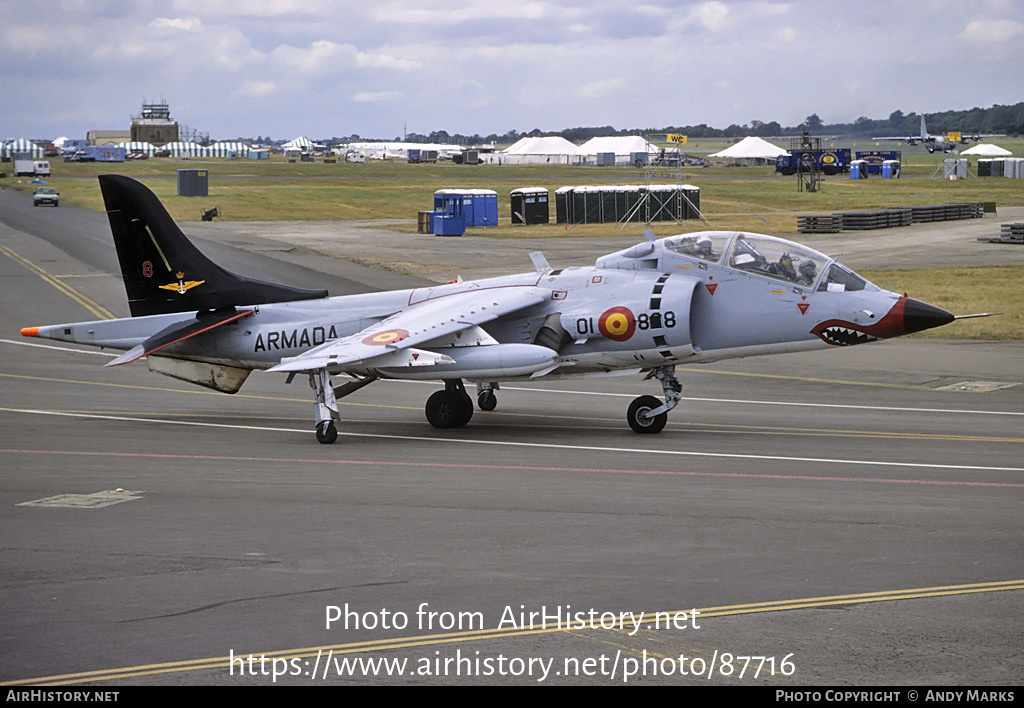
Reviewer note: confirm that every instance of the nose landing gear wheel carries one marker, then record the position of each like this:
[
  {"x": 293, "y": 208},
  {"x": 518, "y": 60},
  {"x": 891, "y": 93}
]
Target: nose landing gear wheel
[
  {"x": 637, "y": 415},
  {"x": 326, "y": 433}
]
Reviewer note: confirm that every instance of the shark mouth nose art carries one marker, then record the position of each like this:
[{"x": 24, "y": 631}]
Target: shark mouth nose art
[
  {"x": 905, "y": 317},
  {"x": 842, "y": 334}
]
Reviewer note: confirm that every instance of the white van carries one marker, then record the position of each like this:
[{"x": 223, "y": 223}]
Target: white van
[{"x": 42, "y": 168}]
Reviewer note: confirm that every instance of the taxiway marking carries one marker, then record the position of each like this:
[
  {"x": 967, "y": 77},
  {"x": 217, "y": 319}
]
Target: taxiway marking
[
  {"x": 89, "y": 304},
  {"x": 548, "y": 446}
]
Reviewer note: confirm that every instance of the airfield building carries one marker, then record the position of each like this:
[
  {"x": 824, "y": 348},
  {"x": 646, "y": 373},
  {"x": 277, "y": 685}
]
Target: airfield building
[
  {"x": 154, "y": 125},
  {"x": 107, "y": 137}
]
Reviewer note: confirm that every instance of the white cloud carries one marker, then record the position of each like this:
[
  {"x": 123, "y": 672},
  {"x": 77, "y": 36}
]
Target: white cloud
[
  {"x": 601, "y": 89},
  {"x": 387, "y": 61},
  {"x": 256, "y": 89},
  {"x": 178, "y": 23},
  {"x": 376, "y": 96},
  {"x": 991, "y": 31},
  {"x": 712, "y": 15}
]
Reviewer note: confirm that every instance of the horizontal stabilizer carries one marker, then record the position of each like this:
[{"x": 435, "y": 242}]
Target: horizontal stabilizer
[{"x": 178, "y": 333}]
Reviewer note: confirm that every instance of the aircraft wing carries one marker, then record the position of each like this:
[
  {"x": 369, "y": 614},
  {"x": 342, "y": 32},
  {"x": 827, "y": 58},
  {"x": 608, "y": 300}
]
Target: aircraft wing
[{"x": 392, "y": 341}]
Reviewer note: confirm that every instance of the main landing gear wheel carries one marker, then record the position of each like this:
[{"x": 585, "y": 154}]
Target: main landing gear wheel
[
  {"x": 637, "y": 415},
  {"x": 487, "y": 400},
  {"x": 449, "y": 409},
  {"x": 326, "y": 433}
]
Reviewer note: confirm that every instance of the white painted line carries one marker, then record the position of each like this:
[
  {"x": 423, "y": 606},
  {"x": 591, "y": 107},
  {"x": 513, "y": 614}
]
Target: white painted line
[
  {"x": 762, "y": 402},
  {"x": 841, "y": 406},
  {"x": 901, "y": 409},
  {"x": 94, "y": 352},
  {"x": 97, "y": 500},
  {"x": 549, "y": 446}
]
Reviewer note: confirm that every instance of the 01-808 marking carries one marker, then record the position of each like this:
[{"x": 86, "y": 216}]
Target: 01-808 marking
[{"x": 644, "y": 321}]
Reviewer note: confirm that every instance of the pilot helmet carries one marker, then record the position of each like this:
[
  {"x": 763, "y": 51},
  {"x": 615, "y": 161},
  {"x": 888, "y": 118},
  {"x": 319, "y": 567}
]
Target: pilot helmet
[
  {"x": 808, "y": 269},
  {"x": 703, "y": 243}
]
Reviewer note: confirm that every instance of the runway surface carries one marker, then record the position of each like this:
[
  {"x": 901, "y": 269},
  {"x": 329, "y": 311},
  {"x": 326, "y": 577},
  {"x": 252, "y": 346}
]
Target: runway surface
[{"x": 844, "y": 518}]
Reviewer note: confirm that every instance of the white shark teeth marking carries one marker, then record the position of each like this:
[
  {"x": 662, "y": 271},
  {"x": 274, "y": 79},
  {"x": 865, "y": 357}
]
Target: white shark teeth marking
[{"x": 845, "y": 336}]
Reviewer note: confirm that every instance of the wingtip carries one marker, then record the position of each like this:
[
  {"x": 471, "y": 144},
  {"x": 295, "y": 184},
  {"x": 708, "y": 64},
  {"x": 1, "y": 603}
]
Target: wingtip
[{"x": 29, "y": 331}]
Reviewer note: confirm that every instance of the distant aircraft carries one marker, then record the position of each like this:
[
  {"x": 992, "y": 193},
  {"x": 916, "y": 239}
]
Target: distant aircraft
[
  {"x": 642, "y": 310},
  {"x": 945, "y": 143}
]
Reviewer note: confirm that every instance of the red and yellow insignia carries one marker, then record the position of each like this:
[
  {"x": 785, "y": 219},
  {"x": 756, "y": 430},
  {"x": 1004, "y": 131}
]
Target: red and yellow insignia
[
  {"x": 182, "y": 286},
  {"x": 381, "y": 339},
  {"x": 617, "y": 324}
]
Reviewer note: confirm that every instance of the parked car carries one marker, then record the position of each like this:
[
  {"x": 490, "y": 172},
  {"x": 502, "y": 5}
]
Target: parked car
[{"x": 46, "y": 195}]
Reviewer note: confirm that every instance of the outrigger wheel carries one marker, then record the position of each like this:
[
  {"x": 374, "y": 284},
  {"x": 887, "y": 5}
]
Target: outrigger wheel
[
  {"x": 451, "y": 408},
  {"x": 487, "y": 400}
]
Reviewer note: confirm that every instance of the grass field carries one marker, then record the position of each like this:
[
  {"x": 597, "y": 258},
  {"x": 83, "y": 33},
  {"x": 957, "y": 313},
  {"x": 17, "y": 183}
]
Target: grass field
[
  {"x": 745, "y": 198},
  {"x": 732, "y": 198},
  {"x": 996, "y": 289}
]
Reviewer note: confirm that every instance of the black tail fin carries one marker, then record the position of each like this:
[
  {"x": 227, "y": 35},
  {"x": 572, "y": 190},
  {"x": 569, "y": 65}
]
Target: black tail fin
[{"x": 163, "y": 272}]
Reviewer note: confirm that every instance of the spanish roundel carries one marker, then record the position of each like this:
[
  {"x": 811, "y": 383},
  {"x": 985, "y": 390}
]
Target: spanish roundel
[
  {"x": 381, "y": 339},
  {"x": 617, "y": 324}
]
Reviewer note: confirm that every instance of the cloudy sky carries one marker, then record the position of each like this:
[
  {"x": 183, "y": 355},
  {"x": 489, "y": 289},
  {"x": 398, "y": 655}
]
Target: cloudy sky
[{"x": 322, "y": 68}]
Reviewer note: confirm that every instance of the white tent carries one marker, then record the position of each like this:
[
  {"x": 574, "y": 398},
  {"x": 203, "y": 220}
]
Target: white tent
[
  {"x": 749, "y": 151},
  {"x": 987, "y": 150},
  {"x": 538, "y": 151},
  {"x": 623, "y": 147}
]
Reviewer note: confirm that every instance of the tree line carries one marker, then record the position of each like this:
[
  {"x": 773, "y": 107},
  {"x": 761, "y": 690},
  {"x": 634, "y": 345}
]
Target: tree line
[{"x": 995, "y": 119}]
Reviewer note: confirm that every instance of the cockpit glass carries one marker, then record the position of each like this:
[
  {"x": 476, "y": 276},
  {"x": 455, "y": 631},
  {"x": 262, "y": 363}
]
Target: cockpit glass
[
  {"x": 776, "y": 258},
  {"x": 838, "y": 280},
  {"x": 706, "y": 246}
]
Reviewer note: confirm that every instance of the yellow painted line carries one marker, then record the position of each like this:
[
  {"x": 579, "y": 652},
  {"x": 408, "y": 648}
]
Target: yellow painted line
[
  {"x": 89, "y": 304},
  {"x": 224, "y": 663}
]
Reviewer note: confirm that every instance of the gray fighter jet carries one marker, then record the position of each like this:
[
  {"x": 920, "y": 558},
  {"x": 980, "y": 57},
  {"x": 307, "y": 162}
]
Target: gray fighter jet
[{"x": 643, "y": 310}]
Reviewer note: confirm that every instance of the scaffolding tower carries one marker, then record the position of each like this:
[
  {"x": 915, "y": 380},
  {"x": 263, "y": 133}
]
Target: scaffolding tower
[{"x": 808, "y": 163}]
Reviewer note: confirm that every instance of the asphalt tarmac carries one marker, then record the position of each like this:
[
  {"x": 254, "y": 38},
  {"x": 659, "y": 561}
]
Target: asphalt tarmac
[{"x": 840, "y": 518}]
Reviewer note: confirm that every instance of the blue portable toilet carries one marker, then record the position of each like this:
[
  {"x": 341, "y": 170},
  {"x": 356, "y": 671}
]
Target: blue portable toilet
[
  {"x": 479, "y": 207},
  {"x": 890, "y": 169},
  {"x": 859, "y": 169}
]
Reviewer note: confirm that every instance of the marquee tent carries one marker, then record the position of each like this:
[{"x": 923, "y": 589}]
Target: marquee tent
[
  {"x": 623, "y": 147},
  {"x": 987, "y": 150},
  {"x": 22, "y": 145},
  {"x": 301, "y": 142},
  {"x": 226, "y": 149},
  {"x": 182, "y": 149},
  {"x": 749, "y": 151},
  {"x": 137, "y": 146},
  {"x": 538, "y": 151}
]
